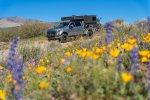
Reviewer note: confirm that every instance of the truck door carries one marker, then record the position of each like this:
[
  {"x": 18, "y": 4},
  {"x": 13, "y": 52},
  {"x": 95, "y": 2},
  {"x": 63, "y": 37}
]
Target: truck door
[
  {"x": 78, "y": 28},
  {"x": 71, "y": 29}
]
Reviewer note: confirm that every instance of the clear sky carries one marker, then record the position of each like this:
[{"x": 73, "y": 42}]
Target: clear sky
[{"x": 52, "y": 10}]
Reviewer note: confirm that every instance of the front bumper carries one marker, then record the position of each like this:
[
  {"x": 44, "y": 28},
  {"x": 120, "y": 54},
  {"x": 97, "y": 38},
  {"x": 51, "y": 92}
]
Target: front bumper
[{"x": 52, "y": 36}]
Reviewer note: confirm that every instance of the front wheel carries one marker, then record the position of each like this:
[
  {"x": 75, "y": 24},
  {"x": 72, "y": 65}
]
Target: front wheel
[
  {"x": 63, "y": 38},
  {"x": 89, "y": 34}
]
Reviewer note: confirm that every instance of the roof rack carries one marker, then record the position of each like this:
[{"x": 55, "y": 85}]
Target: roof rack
[{"x": 86, "y": 18}]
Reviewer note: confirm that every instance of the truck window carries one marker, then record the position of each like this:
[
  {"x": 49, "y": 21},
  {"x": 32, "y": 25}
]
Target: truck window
[{"x": 77, "y": 24}]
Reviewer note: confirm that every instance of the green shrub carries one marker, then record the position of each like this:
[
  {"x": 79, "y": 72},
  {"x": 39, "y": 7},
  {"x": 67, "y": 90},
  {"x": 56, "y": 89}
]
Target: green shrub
[
  {"x": 7, "y": 35},
  {"x": 33, "y": 29}
]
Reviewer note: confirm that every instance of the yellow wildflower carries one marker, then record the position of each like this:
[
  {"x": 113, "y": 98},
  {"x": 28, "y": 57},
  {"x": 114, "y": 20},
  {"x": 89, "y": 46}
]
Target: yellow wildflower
[
  {"x": 1, "y": 67},
  {"x": 17, "y": 87},
  {"x": 126, "y": 77},
  {"x": 114, "y": 52},
  {"x": 95, "y": 57},
  {"x": 40, "y": 69},
  {"x": 89, "y": 53},
  {"x": 9, "y": 76},
  {"x": 118, "y": 44},
  {"x": 109, "y": 45},
  {"x": 148, "y": 55},
  {"x": 103, "y": 48},
  {"x": 14, "y": 81},
  {"x": 47, "y": 61},
  {"x": 144, "y": 59},
  {"x": 78, "y": 52},
  {"x": 2, "y": 95},
  {"x": 143, "y": 53},
  {"x": 43, "y": 85},
  {"x": 23, "y": 77},
  {"x": 48, "y": 76},
  {"x": 132, "y": 41},
  {"x": 68, "y": 69},
  {"x": 127, "y": 47},
  {"x": 83, "y": 54},
  {"x": 84, "y": 49},
  {"x": 98, "y": 50},
  {"x": 68, "y": 54},
  {"x": 41, "y": 61},
  {"x": 62, "y": 60}
]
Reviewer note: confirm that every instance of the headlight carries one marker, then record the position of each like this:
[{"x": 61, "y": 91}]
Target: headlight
[{"x": 58, "y": 32}]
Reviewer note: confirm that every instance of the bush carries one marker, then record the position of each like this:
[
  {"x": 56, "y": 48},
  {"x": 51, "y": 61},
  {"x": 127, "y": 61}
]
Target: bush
[
  {"x": 7, "y": 35},
  {"x": 33, "y": 29},
  {"x": 26, "y": 30}
]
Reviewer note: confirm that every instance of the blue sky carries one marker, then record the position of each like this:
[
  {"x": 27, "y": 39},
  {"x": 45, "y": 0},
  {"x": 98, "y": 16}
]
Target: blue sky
[{"x": 52, "y": 10}]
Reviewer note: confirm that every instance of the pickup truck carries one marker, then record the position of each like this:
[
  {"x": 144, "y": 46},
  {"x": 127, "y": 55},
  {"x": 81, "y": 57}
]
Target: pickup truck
[{"x": 73, "y": 26}]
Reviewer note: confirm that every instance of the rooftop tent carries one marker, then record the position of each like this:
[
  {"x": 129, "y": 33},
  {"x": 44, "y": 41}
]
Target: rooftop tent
[{"x": 86, "y": 18}]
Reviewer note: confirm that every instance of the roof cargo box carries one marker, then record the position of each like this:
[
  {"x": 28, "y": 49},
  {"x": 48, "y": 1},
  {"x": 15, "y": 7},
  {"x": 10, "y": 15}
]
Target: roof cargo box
[{"x": 86, "y": 18}]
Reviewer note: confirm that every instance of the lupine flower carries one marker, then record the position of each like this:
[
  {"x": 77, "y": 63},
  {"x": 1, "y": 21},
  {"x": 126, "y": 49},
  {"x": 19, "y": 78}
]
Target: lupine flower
[
  {"x": 17, "y": 77},
  {"x": 12, "y": 53},
  {"x": 81, "y": 46},
  {"x": 134, "y": 59},
  {"x": 15, "y": 66},
  {"x": 134, "y": 55},
  {"x": 148, "y": 23},
  {"x": 109, "y": 34},
  {"x": 36, "y": 60}
]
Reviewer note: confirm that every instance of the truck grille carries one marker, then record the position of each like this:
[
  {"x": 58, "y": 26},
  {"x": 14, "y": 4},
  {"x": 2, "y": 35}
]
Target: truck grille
[{"x": 51, "y": 33}]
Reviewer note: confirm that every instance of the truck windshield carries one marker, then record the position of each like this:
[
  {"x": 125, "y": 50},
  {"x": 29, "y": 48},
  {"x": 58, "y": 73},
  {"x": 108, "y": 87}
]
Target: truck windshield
[{"x": 63, "y": 24}]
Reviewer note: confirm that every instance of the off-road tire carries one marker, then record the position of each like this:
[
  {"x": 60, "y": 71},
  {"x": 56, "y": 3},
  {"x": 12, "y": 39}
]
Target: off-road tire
[
  {"x": 89, "y": 34},
  {"x": 63, "y": 38}
]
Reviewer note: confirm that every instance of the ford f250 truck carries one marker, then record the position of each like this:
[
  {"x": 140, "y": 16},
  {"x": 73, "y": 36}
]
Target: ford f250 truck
[{"x": 74, "y": 26}]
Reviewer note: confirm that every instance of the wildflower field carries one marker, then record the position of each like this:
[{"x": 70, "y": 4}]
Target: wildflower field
[{"x": 110, "y": 66}]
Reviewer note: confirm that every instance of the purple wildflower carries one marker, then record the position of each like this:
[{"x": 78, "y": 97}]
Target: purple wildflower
[
  {"x": 17, "y": 76},
  {"x": 109, "y": 34},
  {"x": 15, "y": 65},
  {"x": 81, "y": 46},
  {"x": 36, "y": 60},
  {"x": 12, "y": 53},
  {"x": 134, "y": 59},
  {"x": 148, "y": 24}
]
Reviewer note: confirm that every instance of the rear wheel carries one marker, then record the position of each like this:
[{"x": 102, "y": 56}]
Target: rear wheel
[{"x": 63, "y": 38}]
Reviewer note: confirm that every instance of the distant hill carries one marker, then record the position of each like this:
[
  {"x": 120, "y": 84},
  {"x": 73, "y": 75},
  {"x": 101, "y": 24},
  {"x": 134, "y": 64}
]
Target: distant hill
[{"x": 14, "y": 21}]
